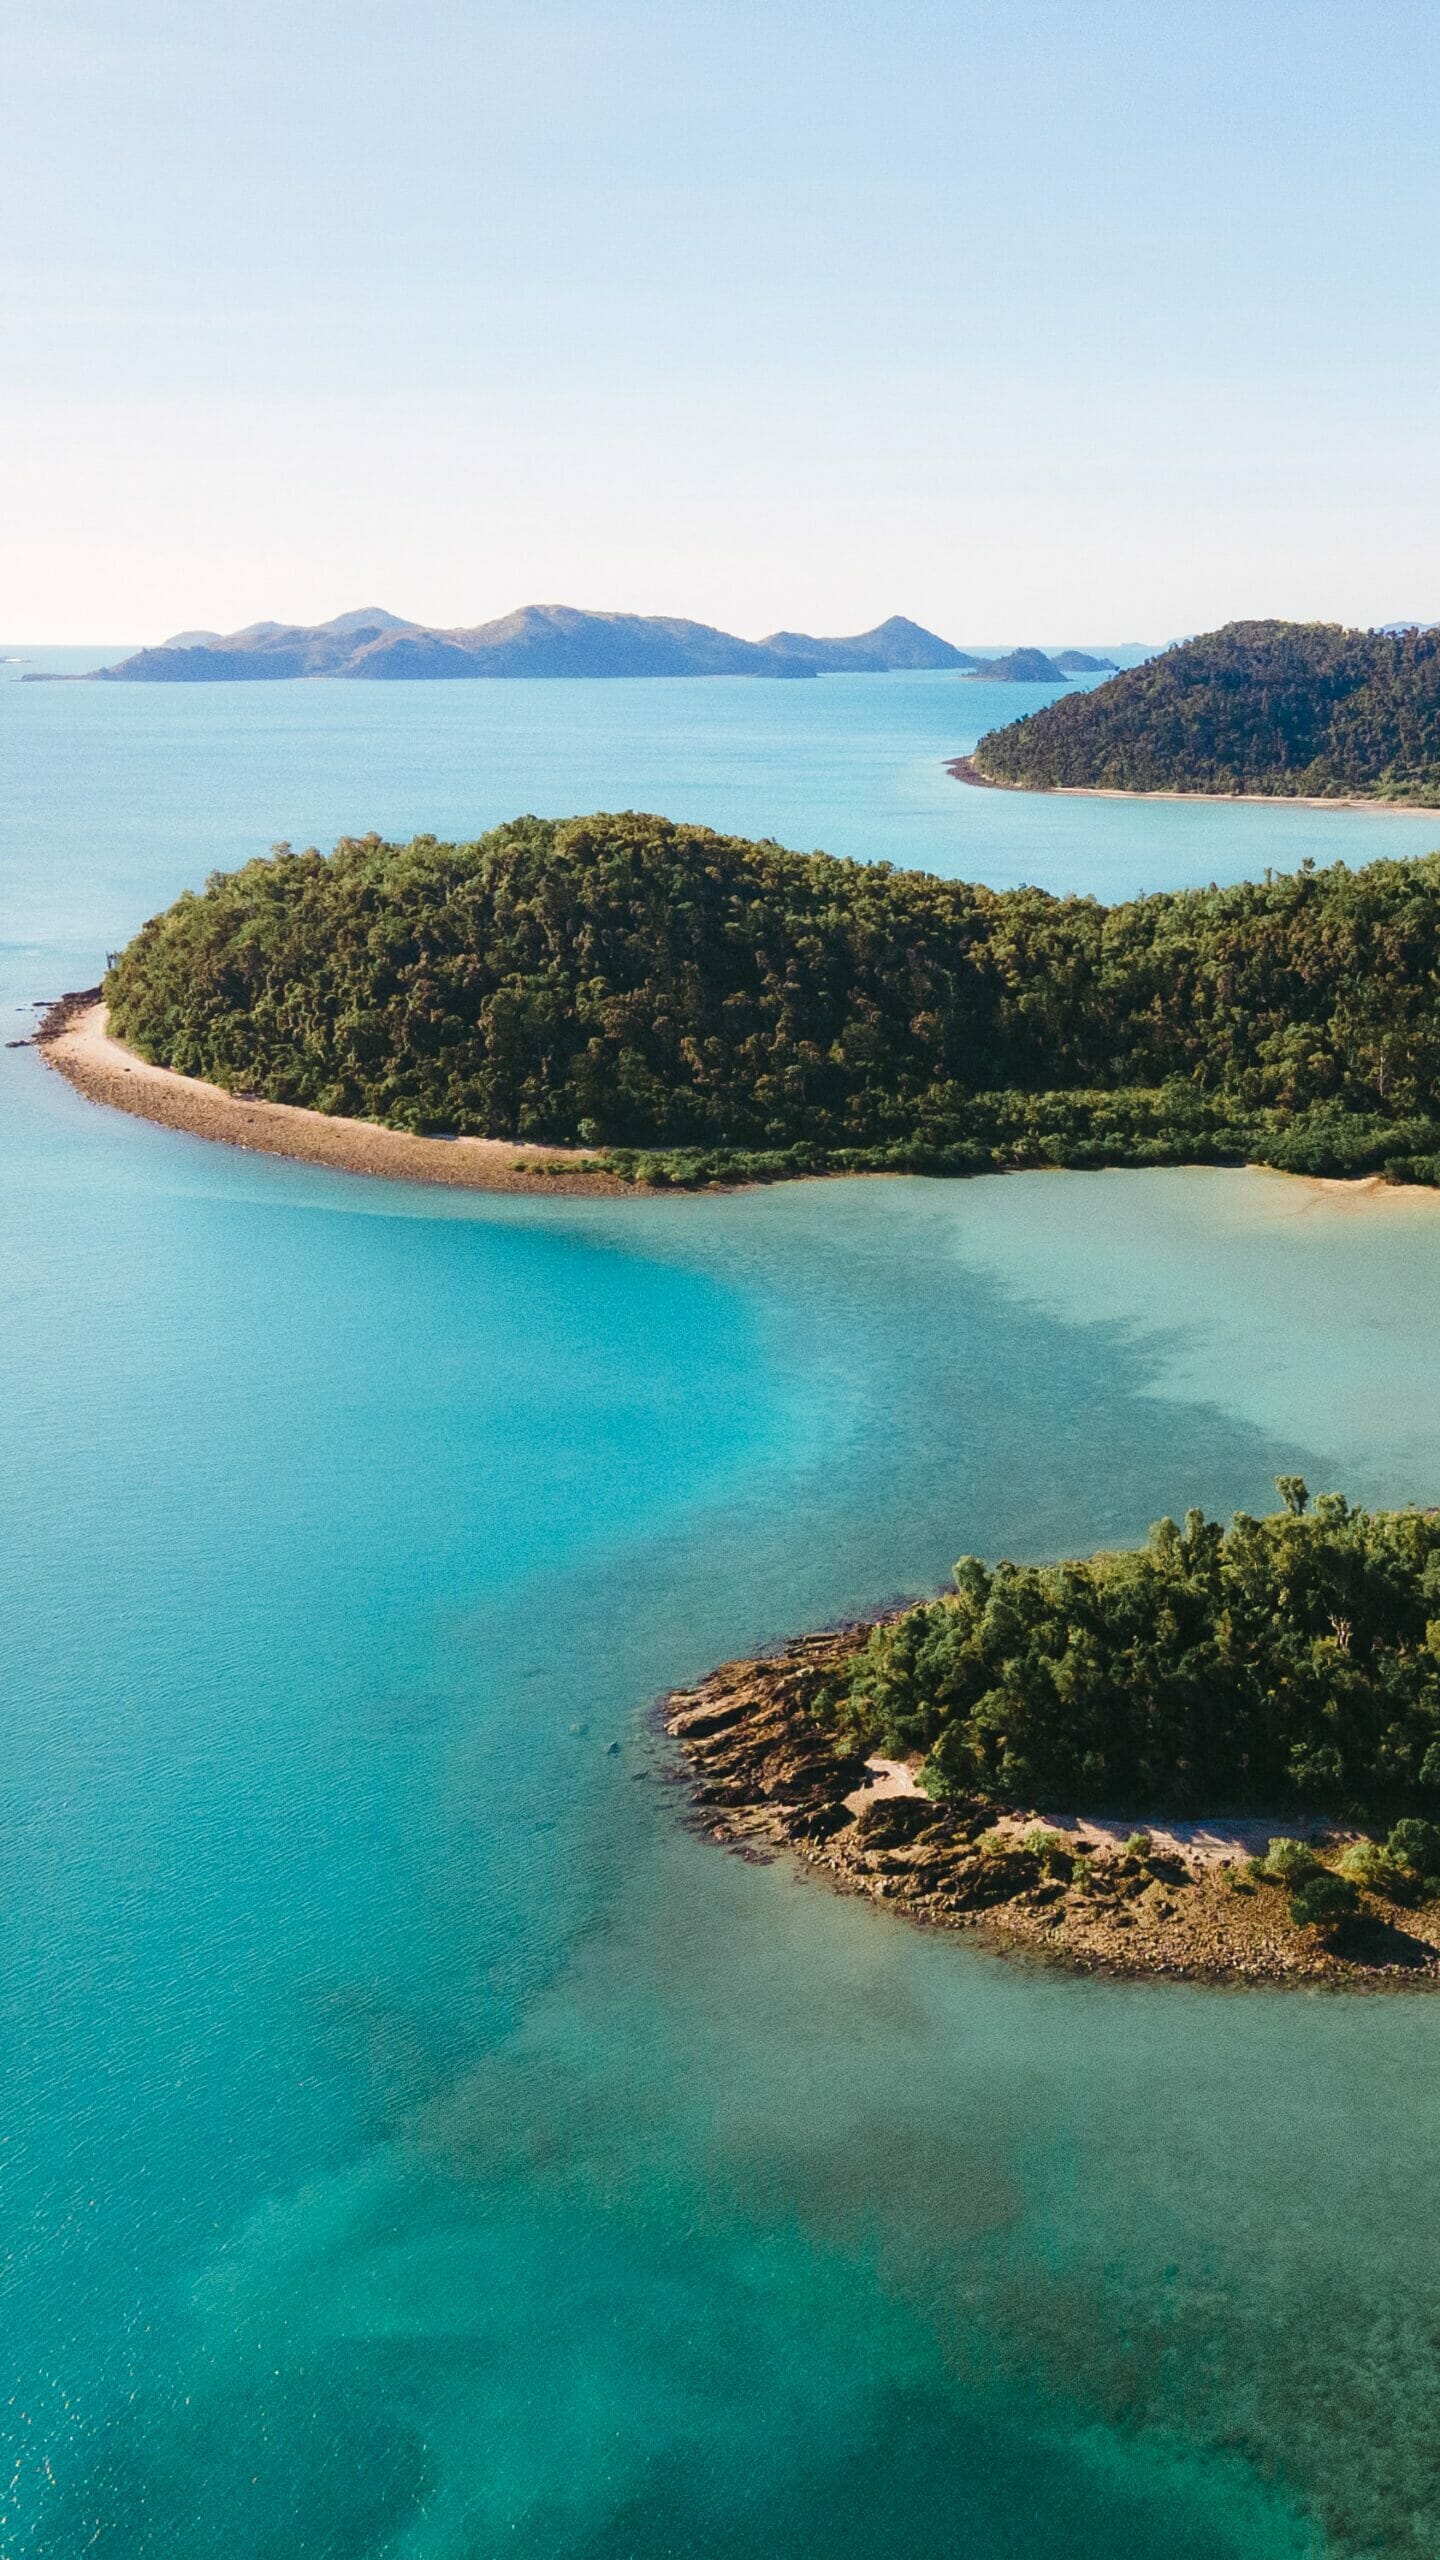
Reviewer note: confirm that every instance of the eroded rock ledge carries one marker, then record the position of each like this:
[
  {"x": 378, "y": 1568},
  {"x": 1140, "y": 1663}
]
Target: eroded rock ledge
[{"x": 768, "y": 1774}]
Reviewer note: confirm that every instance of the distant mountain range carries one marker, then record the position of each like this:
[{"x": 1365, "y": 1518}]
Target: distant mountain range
[{"x": 543, "y": 640}]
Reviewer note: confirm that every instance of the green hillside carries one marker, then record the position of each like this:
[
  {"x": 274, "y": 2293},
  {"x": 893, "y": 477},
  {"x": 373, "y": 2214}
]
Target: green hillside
[
  {"x": 1274, "y": 707},
  {"x": 627, "y": 983}
]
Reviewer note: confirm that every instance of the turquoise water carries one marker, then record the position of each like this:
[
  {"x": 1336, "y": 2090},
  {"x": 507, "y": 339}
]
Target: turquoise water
[
  {"x": 416, "y": 2141},
  {"x": 853, "y": 764}
]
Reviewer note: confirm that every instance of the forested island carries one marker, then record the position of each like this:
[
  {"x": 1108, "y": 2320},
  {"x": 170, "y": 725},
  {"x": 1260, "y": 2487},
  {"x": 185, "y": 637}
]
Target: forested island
[
  {"x": 1025, "y": 666},
  {"x": 1295, "y": 709},
  {"x": 697, "y": 1008},
  {"x": 1048, "y": 1725}
]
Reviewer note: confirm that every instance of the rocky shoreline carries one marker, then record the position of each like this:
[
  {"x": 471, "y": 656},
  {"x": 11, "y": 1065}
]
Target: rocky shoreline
[
  {"x": 66, "y": 1010},
  {"x": 768, "y": 1775}
]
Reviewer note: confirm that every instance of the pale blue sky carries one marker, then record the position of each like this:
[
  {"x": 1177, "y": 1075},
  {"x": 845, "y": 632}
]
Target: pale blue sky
[{"x": 1034, "y": 320}]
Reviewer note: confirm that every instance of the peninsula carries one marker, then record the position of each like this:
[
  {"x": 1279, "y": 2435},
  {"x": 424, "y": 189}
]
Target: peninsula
[
  {"x": 1263, "y": 709},
  {"x": 1216, "y": 1756},
  {"x": 683, "y": 1007}
]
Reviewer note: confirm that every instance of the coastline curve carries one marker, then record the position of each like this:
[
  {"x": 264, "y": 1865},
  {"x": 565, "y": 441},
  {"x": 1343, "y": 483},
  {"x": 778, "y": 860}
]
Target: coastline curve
[
  {"x": 74, "y": 1039},
  {"x": 965, "y": 769}
]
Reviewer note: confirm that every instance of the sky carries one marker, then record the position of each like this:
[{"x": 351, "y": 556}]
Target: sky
[{"x": 1034, "y": 319}]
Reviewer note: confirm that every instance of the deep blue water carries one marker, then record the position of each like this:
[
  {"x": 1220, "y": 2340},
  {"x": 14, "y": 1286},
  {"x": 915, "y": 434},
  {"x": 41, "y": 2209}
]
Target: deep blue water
[{"x": 416, "y": 2142}]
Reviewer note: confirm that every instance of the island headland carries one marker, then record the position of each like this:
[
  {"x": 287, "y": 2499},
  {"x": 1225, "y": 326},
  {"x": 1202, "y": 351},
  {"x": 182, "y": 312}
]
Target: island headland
[
  {"x": 620, "y": 998},
  {"x": 1217, "y": 1757},
  {"x": 73, "y": 1037},
  {"x": 1258, "y": 710}
]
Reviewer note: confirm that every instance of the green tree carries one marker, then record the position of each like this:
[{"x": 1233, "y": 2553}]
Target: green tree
[
  {"x": 1286, "y": 1661},
  {"x": 704, "y": 1008},
  {"x": 1324, "y": 1901},
  {"x": 1415, "y": 1843}
]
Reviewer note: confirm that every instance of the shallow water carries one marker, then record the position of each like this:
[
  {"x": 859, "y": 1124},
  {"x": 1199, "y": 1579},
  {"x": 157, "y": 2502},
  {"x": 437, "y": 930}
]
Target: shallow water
[{"x": 417, "y": 2142}]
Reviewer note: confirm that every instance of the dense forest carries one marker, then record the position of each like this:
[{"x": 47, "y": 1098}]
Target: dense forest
[
  {"x": 1275, "y": 707},
  {"x": 711, "y": 1008},
  {"x": 1287, "y": 1661}
]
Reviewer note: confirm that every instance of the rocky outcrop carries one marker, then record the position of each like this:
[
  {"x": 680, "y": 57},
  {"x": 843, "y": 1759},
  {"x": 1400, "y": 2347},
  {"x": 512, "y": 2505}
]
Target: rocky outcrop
[
  {"x": 769, "y": 1773},
  {"x": 59, "y": 1016}
]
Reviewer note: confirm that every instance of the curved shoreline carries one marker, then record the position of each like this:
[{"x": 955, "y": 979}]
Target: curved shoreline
[
  {"x": 73, "y": 1039},
  {"x": 965, "y": 769}
]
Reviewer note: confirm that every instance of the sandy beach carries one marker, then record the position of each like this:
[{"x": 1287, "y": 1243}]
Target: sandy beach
[
  {"x": 965, "y": 769},
  {"x": 73, "y": 1039}
]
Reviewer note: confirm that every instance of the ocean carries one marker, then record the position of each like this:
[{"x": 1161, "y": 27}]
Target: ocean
[{"x": 418, "y": 2140}]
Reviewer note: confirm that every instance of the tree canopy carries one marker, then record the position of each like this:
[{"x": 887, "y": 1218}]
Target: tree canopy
[
  {"x": 1302, "y": 708},
  {"x": 1290, "y": 1661},
  {"x": 628, "y": 983}
]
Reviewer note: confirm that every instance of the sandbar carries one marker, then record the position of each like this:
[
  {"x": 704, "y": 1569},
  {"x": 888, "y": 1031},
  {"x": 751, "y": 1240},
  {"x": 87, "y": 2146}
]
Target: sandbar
[{"x": 73, "y": 1038}]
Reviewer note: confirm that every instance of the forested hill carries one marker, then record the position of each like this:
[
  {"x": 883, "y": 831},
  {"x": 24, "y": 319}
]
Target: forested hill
[
  {"x": 626, "y": 983},
  {"x": 1284, "y": 1661},
  {"x": 1277, "y": 707}
]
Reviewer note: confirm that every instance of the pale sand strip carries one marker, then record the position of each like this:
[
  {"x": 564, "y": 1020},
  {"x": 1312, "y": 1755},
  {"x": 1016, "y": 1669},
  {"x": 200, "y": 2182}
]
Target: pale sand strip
[
  {"x": 1219, "y": 1843},
  {"x": 73, "y": 1038},
  {"x": 965, "y": 769}
]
